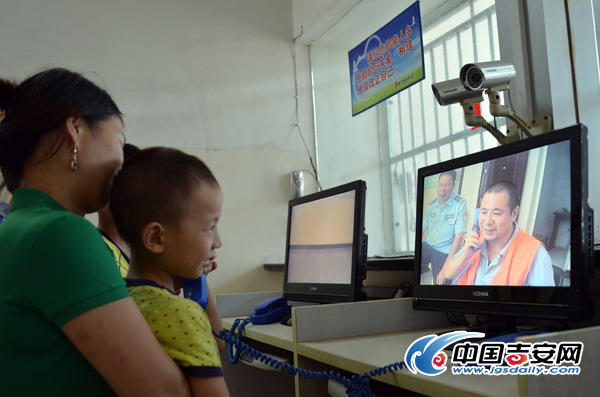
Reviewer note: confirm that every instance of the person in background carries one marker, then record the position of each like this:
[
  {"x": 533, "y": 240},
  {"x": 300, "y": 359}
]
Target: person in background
[
  {"x": 167, "y": 206},
  {"x": 68, "y": 326},
  {"x": 4, "y": 210},
  {"x": 4, "y": 206},
  {"x": 500, "y": 253},
  {"x": 444, "y": 227},
  {"x": 108, "y": 229}
]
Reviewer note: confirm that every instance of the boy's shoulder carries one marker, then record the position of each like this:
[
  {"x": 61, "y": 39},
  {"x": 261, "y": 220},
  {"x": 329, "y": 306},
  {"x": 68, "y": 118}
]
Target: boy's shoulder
[
  {"x": 153, "y": 298},
  {"x": 147, "y": 290},
  {"x": 180, "y": 325}
]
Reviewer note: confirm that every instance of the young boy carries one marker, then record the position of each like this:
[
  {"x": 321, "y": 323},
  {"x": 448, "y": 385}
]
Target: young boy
[
  {"x": 108, "y": 229},
  {"x": 166, "y": 205}
]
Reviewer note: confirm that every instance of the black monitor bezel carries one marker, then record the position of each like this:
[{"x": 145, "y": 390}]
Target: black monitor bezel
[
  {"x": 531, "y": 302},
  {"x": 329, "y": 293}
]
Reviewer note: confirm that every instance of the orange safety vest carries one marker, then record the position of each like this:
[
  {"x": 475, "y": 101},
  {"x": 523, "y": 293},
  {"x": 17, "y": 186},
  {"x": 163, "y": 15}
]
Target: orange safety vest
[{"x": 515, "y": 264}]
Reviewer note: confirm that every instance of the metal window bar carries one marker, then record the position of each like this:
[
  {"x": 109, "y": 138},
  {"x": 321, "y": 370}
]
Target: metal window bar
[{"x": 398, "y": 161}]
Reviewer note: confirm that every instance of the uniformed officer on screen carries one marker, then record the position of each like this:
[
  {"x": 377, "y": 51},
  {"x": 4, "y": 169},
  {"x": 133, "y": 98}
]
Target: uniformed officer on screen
[{"x": 444, "y": 226}]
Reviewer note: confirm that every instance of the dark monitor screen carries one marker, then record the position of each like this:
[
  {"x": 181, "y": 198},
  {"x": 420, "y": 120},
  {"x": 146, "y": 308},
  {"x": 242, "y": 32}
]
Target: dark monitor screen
[
  {"x": 326, "y": 245},
  {"x": 508, "y": 230}
]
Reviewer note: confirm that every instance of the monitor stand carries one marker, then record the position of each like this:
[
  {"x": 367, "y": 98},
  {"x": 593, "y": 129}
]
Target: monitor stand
[
  {"x": 495, "y": 326},
  {"x": 496, "y": 329}
]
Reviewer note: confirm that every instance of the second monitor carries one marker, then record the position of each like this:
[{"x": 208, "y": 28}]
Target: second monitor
[{"x": 326, "y": 247}]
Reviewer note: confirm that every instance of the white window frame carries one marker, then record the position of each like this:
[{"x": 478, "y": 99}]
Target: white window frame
[
  {"x": 329, "y": 118},
  {"x": 400, "y": 232}
]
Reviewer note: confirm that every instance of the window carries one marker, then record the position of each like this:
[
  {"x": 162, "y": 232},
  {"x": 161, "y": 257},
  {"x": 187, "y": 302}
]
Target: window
[{"x": 419, "y": 132}]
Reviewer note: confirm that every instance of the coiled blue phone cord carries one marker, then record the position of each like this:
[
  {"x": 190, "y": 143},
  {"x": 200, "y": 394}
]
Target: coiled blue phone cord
[{"x": 356, "y": 386}]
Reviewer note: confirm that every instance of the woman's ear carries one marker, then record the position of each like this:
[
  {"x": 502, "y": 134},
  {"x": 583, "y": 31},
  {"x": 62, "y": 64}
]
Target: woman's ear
[
  {"x": 153, "y": 237},
  {"x": 73, "y": 125}
]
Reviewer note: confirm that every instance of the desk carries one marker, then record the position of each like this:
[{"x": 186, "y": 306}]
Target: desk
[
  {"x": 366, "y": 340},
  {"x": 245, "y": 380},
  {"x": 360, "y": 354},
  {"x": 276, "y": 334}
]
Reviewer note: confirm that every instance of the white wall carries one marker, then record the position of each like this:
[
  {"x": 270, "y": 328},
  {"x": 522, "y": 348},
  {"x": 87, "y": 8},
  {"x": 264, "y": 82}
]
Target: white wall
[
  {"x": 349, "y": 146},
  {"x": 254, "y": 218},
  {"x": 214, "y": 78},
  {"x": 312, "y": 18}
]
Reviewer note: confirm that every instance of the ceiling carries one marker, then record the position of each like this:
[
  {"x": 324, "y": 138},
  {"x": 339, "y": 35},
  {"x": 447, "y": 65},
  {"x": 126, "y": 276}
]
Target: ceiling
[{"x": 366, "y": 18}]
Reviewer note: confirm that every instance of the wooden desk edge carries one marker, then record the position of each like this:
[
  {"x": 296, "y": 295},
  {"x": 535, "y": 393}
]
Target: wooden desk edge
[{"x": 260, "y": 334}]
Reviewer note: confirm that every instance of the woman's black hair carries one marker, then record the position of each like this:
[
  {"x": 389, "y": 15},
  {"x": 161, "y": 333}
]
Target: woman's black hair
[{"x": 38, "y": 106}]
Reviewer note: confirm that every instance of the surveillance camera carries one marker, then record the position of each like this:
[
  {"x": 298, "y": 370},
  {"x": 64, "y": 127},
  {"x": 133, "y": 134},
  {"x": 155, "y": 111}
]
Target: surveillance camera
[
  {"x": 452, "y": 91},
  {"x": 479, "y": 76}
]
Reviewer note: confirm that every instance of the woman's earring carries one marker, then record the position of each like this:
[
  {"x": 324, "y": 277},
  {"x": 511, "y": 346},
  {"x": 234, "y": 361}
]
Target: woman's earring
[{"x": 74, "y": 160}]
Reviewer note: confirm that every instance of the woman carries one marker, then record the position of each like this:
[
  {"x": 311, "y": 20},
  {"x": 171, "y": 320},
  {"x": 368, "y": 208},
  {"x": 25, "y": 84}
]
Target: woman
[{"x": 67, "y": 323}]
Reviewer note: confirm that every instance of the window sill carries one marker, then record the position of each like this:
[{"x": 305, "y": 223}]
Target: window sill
[{"x": 373, "y": 264}]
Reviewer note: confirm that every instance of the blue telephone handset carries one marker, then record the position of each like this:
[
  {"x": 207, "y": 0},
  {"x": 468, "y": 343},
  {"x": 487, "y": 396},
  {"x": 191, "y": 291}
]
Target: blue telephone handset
[
  {"x": 270, "y": 310},
  {"x": 196, "y": 290},
  {"x": 476, "y": 221},
  {"x": 476, "y": 225},
  {"x": 475, "y": 229}
]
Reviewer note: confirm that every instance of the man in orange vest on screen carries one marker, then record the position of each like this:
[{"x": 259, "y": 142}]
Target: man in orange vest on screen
[{"x": 497, "y": 251}]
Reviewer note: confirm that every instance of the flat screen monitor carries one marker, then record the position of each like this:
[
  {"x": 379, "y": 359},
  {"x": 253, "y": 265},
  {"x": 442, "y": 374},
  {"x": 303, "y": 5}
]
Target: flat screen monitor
[
  {"x": 326, "y": 245},
  {"x": 507, "y": 231}
]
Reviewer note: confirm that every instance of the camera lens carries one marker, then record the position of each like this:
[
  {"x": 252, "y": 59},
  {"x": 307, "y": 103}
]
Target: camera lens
[{"x": 474, "y": 78}]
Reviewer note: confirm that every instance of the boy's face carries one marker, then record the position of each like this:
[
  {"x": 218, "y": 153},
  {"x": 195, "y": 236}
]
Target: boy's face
[{"x": 193, "y": 242}]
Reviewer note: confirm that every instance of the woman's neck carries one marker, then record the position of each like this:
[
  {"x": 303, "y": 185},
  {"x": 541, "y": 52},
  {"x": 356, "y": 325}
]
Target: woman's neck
[
  {"x": 61, "y": 193},
  {"x": 50, "y": 177}
]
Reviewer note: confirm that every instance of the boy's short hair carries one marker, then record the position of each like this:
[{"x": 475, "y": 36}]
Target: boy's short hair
[
  {"x": 129, "y": 150},
  {"x": 155, "y": 185}
]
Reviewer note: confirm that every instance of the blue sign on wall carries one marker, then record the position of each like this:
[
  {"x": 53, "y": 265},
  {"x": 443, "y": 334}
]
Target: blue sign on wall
[{"x": 387, "y": 62}]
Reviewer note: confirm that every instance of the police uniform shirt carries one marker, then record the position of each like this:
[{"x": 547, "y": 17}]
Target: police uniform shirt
[{"x": 444, "y": 222}]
